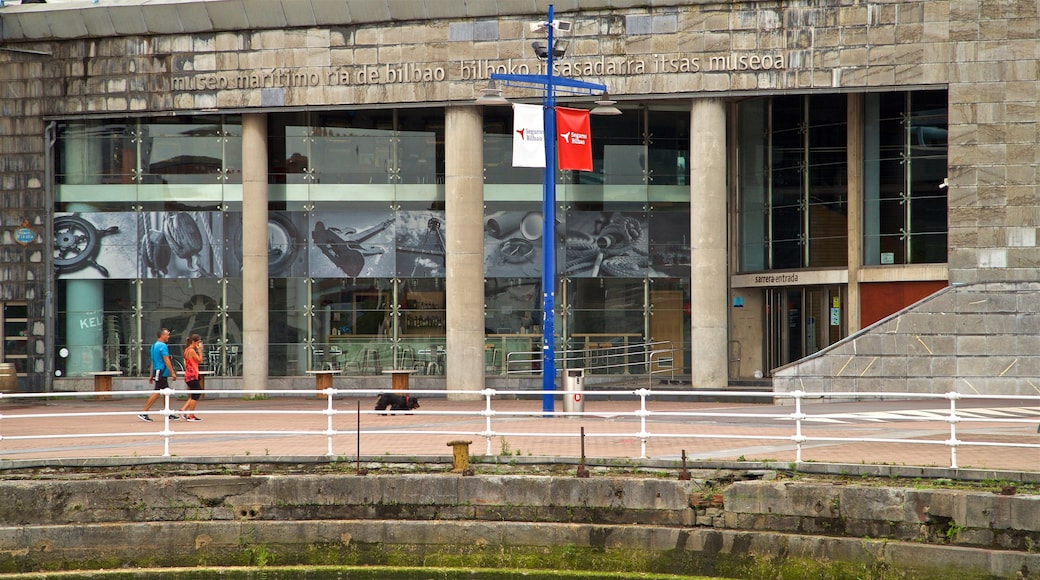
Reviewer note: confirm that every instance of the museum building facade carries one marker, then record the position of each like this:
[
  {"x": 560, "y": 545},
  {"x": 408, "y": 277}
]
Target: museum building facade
[{"x": 311, "y": 185}]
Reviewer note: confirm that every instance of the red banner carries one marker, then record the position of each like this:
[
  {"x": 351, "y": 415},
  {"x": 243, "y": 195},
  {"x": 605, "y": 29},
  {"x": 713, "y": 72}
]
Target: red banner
[{"x": 573, "y": 139}]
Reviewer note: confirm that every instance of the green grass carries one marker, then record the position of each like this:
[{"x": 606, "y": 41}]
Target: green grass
[{"x": 352, "y": 572}]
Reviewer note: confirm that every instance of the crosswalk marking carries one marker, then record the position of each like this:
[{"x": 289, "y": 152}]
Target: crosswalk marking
[
  {"x": 993, "y": 412},
  {"x": 922, "y": 414}
]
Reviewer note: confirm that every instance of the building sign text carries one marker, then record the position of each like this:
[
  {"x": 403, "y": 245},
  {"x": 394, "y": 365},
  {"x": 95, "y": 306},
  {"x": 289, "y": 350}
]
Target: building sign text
[{"x": 471, "y": 70}]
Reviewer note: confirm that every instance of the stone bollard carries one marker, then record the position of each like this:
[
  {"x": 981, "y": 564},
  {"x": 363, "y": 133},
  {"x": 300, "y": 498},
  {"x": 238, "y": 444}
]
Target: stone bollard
[{"x": 460, "y": 458}]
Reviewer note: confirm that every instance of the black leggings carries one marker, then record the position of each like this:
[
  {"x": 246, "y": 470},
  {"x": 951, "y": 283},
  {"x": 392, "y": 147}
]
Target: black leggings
[{"x": 195, "y": 389}]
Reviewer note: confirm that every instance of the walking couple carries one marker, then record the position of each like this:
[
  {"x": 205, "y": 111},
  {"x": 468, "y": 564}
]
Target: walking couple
[{"x": 163, "y": 372}]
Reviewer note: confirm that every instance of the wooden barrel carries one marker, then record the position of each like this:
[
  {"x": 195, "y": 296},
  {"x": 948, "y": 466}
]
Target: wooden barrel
[{"x": 8, "y": 378}]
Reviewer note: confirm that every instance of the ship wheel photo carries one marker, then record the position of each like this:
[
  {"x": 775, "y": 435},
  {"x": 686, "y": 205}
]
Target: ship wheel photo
[{"x": 77, "y": 243}]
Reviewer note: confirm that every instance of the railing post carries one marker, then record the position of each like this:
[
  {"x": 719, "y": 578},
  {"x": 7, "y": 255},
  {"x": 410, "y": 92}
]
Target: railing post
[
  {"x": 167, "y": 434},
  {"x": 329, "y": 412},
  {"x": 643, "y": 434},
  {"x": 488, "y": 393},
  {"x": 798, "y": 416},
  {"x": 953, "y": 419}
]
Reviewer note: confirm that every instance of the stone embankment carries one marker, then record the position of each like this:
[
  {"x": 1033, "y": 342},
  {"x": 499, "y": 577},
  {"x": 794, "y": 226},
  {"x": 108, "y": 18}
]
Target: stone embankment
[{"x": 207, "y": 519}]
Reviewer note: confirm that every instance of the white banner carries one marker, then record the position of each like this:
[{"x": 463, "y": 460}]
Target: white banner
[{"x": 528, "y": 136}]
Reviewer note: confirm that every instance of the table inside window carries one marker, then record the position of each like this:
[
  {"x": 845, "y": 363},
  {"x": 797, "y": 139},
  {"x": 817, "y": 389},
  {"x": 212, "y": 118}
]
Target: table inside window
[
  {"x": 322, "y": 380},
  {"x": 103, "y": 383},
  {"x": 399, "y": 378}
]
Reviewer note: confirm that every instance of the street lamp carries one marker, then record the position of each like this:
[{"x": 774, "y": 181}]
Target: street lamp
[{"x": 550, "y": 85}]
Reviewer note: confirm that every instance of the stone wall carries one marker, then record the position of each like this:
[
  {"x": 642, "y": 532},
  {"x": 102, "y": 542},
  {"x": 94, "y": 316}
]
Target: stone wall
[
  {"x": 187, "y": 520},
  {"x": 972, "y": 339},
  {"x": 963, "y": 518},
  {"x": 24, "y": 201}
]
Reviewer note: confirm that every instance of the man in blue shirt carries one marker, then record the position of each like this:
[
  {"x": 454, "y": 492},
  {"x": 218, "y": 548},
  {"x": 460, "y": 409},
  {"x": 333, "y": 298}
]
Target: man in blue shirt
[{"x": 162, "y": 371}]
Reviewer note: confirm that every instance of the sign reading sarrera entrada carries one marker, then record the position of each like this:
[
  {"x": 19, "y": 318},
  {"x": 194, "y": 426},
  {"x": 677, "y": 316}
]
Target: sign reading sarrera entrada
[{"x": 469, "y": 70}]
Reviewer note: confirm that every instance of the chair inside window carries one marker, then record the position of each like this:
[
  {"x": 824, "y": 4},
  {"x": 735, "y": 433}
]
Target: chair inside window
[
  {"x": 366, "y": 360},
  {"x": 334, "y": 360}
]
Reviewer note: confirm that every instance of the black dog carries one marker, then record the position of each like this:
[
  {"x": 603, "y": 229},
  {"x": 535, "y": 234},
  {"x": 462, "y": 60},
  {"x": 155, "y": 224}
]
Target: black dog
[{"x": 396, "y": 402}]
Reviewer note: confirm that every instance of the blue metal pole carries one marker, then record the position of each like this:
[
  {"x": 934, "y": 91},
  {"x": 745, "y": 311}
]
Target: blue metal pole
[
  {"x": 549, "y": 83},
  {"x": 549, "y": 232}
]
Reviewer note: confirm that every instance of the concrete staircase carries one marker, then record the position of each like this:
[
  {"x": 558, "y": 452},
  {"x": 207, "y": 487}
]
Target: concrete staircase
[{"x": 971, "y": 339}]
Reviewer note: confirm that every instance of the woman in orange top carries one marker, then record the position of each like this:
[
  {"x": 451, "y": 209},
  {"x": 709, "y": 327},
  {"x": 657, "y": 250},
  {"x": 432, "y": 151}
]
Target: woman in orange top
[{"x": 192, "y": 358}]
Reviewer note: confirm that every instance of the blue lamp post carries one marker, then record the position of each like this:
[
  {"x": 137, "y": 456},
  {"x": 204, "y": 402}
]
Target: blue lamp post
[{"x": 549, "y": 84}]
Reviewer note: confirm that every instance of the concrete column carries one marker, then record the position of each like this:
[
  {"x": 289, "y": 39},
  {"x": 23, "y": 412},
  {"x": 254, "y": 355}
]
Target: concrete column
[
  {"x": 854, "y": 155},
  {"x": 709, "y": 280},
  {"x": 84, "y": 321},
  {"x": 254, "y": 251},
  {"x": 464, "y": 225},
  {"x": 84, "y": 299}
]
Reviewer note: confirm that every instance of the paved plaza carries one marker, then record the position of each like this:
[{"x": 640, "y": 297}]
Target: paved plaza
[{"x": 705, "y": 431}]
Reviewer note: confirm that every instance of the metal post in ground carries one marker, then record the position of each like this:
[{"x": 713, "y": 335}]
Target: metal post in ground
[
  {"x": 582, "y": 471},
  {"x": 359, "y": 470}
]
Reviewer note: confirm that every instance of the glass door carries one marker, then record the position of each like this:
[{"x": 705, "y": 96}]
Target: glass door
[
  {"x": 801, "y": 321},
  {"x": 14, "y": 350}
]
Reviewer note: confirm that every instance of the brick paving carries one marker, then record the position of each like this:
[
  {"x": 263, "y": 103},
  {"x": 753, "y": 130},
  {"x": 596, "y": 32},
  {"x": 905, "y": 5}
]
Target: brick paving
[{"x": 297, "y": 427}]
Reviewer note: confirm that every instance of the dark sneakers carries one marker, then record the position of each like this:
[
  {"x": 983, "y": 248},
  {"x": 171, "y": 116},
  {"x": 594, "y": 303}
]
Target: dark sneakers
[{"x": 145, "y": 417}]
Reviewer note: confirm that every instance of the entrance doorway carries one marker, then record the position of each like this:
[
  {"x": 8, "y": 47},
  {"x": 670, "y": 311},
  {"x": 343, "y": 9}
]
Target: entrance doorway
[
  {"x": 801, "y": 321},
  {"x": 14, "y": 350}
]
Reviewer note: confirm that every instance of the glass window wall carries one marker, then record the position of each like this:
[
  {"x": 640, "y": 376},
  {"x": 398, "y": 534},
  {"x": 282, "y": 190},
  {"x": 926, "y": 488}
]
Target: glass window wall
[
  {"x": 184, "y": 162},
  {"x": 792, "y": 180},
  {"x": 905, "y": 149},
  {"x": 618, "y": 226},
  {"x": 149, "y": 234}
]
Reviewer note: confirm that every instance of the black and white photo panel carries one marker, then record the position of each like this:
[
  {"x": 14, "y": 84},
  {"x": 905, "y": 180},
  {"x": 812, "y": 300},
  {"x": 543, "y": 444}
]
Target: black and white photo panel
[
  {"x": 670, "y": 244},
  {"x": 352, "y": 244},
  {"x": 513, "y": 244},
  {"x": 420, "y": 244},
  {"x": 607, "y": 244},
  {"x": 286, "y": 244},
  {"x": 181, "y": 244},
  {"x": 95, "y": 245}
]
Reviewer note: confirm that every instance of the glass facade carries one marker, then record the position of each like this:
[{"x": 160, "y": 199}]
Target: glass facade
[
  {"x": 792, "y": 180},
  {"x": 143, "y": 209},
  {"x": 905, "y": 164},
  {"x": 623, "y": 230},
  {"x": 148, "y": 234}
]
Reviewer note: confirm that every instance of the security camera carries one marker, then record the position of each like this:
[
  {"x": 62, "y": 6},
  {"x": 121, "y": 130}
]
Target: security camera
[
  {"x": 541, "y": 49},
  {"x": 945, "y": 183},
  {"x": 558, "y": 26}
]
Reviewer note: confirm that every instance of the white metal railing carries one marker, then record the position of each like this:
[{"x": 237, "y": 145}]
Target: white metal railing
[{"x": 324, "y": 416}]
